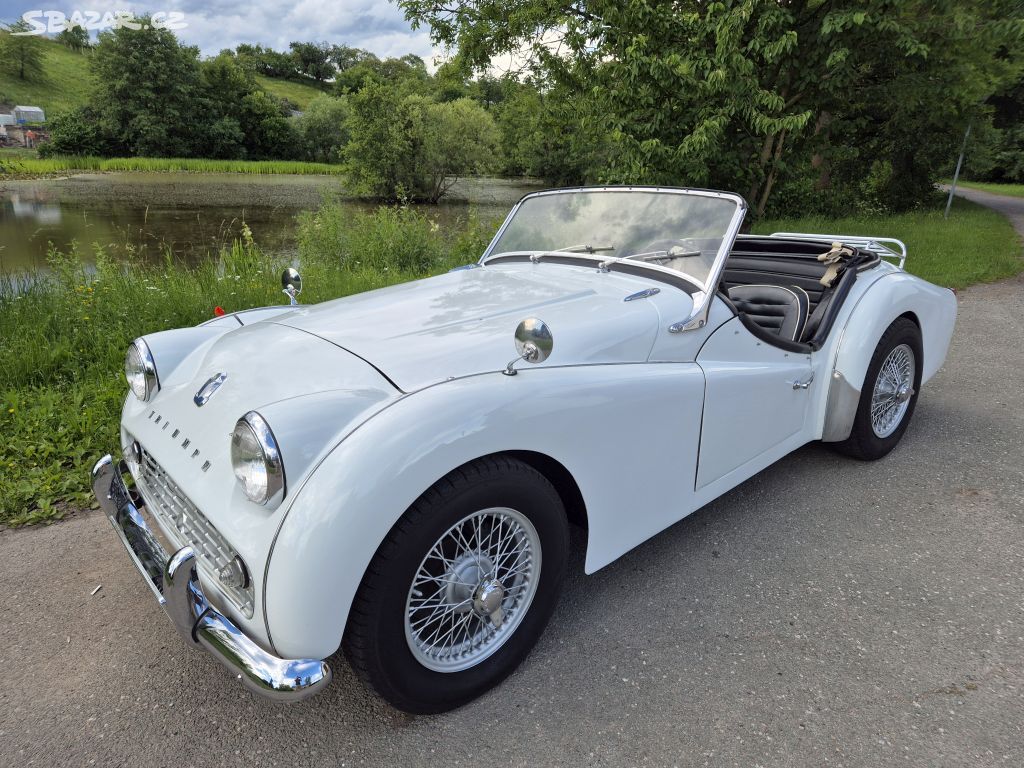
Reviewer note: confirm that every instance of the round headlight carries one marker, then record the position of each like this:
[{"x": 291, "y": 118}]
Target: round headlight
[
  {"x": 140, "y": 371},
  {"x": 257, "y": 460}
]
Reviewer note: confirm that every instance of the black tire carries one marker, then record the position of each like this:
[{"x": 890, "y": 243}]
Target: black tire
[
  {"x": 864, "y": 443},
  {"x": 375, "y": 639}
]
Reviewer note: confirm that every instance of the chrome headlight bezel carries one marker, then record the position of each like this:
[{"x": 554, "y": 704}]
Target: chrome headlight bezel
[
  {"x": 140, "y": 371},
  {"x": 252, "y": 431}
]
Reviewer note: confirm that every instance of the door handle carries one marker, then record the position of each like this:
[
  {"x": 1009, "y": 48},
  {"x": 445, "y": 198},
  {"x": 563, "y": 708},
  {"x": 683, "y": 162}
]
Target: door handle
[{"x": 803, "y": 384}]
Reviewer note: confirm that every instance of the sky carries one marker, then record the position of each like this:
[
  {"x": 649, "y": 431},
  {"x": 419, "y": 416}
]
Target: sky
[{"x": 375, "y": 25}]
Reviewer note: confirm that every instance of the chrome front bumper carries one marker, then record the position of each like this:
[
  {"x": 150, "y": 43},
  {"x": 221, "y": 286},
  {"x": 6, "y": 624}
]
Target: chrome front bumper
[{"x": 175, "y": 583}]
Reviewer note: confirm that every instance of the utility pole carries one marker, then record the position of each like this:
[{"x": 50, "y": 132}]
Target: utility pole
[{"x": 956, "y": 174}]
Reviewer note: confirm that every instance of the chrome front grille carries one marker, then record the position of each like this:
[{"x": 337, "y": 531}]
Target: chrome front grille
[{"x": 176, "y": 512}]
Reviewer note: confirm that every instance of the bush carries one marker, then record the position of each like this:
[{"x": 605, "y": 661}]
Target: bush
[
  {"x": 75, "y": 133},
  {"x": 413, "y": 148},
  {"x": 392, "y": 240},
  {"x": 323, "y": 128}
]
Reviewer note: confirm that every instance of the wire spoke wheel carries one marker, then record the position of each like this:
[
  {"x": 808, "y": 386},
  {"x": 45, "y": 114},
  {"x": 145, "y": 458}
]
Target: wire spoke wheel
[
  {"x": 894, "y": 386},
  {"x": 472, "y": 589}
]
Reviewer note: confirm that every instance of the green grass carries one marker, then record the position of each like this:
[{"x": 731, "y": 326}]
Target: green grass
[
  {"x": 61, "y": 384},
  {"x": 63, "y": 85},
  {"x": 20, "y": 165},
  {"x": 1013, "y": 190},
  {"x": 66, "y": 81},
  {"x": 975, "y": 245},
  {"x": 298, "y": 93}
]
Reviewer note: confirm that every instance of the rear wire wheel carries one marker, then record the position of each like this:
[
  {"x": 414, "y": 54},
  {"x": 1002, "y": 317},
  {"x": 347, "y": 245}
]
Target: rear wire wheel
[{"x": 889, "y": 393}]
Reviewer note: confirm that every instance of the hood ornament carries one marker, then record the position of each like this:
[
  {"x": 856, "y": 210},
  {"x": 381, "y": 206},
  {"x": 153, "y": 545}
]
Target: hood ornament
[{"x": 207, "y": 390}]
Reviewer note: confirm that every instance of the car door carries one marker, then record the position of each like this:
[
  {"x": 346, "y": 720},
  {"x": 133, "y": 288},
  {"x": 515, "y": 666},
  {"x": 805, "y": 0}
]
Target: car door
[{"x": 756, "y": 405}]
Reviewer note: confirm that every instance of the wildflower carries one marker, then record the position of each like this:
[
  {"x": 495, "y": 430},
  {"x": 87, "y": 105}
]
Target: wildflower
[{"x": 10, "y": 410}]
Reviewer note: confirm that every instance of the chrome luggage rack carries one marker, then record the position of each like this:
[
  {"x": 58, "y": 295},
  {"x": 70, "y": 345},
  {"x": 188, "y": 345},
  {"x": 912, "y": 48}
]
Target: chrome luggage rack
[{"x": 876, "y": 245}]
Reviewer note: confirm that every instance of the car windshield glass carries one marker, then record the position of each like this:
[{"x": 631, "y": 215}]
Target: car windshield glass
[{"x": 678, "y": 230}]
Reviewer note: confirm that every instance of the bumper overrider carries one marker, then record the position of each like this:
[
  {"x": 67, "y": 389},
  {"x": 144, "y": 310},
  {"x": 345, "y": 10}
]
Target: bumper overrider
[{"x": 175, "y": 583}]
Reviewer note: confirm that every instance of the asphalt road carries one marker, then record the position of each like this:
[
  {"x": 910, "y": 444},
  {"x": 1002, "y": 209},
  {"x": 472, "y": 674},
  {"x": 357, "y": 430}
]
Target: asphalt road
[{"x": 825, "y": 613}]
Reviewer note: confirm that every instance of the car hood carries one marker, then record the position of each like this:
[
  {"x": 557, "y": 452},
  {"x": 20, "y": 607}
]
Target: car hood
[{"x": 462, "y": 323}]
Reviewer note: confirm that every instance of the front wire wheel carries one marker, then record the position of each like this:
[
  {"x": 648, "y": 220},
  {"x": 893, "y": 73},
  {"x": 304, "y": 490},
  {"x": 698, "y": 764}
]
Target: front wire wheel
[
  {"x": 461, "y": 588},
  {"x": 472, "y": 589}
]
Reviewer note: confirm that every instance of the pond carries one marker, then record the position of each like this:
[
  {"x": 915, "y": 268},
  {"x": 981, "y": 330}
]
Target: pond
[{"x": 190, "y": 214}]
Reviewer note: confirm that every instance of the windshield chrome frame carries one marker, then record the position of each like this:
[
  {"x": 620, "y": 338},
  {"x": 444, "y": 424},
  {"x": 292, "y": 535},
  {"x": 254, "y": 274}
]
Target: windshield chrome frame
[{"x": 705, "y": 293}]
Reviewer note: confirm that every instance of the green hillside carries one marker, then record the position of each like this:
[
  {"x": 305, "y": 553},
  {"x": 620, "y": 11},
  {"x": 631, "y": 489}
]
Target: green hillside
[
  {"x": 298, "y": 93},
  {"x": 65, "y": 83}
]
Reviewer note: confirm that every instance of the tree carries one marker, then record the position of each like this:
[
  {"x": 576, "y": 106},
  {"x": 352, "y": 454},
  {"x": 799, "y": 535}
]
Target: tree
[
  {"x": 746, "y": 93},
  {"x": 74, "y": 37},
  {"x": 412, "y": 148},
  {"x": 552, "y": 135},
  {"x": 408, "y": 74},
  {"x": 148, "y": 92},
  {"x": 313, "y": 60},
  {"x": 452, "y": 140},
  {"x": 242, "y": 119},
  {"x": 21, "y": 51},
  {"x": 345, "y": 57},
  {"x": 323, "y": 128},
  {"x": 379, "y": 154},
  {"x": 268, "y": 132}
]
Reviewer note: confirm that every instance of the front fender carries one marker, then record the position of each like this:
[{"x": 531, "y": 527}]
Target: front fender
[{"x": 627, "y": 434}]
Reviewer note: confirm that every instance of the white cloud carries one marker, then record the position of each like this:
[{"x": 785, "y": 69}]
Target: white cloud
[{"x": 375, "y": 25}]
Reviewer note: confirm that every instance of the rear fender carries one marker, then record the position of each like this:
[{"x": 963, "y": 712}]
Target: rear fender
[{"x": 891, "y": 296}]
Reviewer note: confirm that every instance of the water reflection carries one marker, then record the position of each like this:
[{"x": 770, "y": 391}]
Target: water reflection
[
  {"x": 35, "y": 206},
  {"x": 31, "y": 224},
  {"x": 190, "y": 216}
]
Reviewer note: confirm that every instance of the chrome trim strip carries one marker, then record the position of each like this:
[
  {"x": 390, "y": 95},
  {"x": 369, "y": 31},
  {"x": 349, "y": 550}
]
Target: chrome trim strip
[{"x": 175, "y": 583}]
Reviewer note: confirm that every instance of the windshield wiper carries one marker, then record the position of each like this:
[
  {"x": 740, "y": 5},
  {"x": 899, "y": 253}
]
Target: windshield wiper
[
  {"x": 535, "y": 257},
  {"x": 675, "y": 252},
  {"x": 585, "y": 248}
]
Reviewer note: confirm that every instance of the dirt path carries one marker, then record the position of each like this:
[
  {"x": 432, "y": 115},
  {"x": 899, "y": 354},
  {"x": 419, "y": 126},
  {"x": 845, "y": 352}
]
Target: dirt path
[{"x": 1011, "y": 207}]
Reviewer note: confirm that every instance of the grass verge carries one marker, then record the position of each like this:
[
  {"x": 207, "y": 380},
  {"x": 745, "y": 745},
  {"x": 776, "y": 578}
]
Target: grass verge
[
  {"x": 61, "y": 386},
  {"x": 975, "y": 245},
  {"x": 20, "y": 165}
]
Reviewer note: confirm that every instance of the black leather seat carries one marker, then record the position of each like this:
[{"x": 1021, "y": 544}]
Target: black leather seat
[{"x": 779, "y": 310}]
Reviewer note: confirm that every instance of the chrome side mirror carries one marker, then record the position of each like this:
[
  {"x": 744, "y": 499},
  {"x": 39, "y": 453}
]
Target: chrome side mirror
[
  {"x": 291, "y": 282},
  {"x": 534, "y": 343}
]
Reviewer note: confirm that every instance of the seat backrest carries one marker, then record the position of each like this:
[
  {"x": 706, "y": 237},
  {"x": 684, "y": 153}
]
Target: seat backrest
[{"x": 778, "y": 309}]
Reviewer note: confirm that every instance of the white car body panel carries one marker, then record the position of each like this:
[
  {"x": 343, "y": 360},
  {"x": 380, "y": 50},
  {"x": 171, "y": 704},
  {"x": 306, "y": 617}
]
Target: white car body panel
[
  {"x": 457, "y": 324},
  {"x": 373, "y": 398},
  {"x": 750, "y": 404}
]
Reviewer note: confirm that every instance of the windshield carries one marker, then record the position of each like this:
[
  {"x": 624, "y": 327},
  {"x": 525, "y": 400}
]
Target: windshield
[{"x": 682, "y": 231}]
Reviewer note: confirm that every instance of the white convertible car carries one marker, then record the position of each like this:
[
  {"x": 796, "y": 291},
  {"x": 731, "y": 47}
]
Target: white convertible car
[{"x": 372, "y": 473}]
